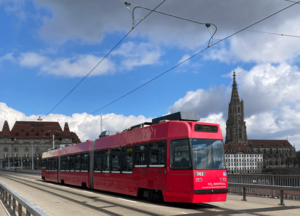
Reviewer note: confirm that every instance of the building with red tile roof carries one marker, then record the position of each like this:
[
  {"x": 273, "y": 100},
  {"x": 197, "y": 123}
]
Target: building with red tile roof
[{"x": 31, "y": 138}]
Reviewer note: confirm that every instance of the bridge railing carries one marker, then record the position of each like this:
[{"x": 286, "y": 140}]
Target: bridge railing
[
  {"x": 264, "y": 185},
  {"x": 15, "y": 203}
]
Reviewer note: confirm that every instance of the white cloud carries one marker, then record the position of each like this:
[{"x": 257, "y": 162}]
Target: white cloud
[
  {"x": 70, "y": 22},
  {"x": 134, "y": 55},
  {"x": 271, "y": 100},
  {"x": 15, "y": 7},
  {"x": 77, "y": 66},
  {"x": 203, "y": 101},
  {"x": 7, "y": 57},
  {"x": 31, "y": 59},
  {"x": 86, "y": 126},
  {"x": 261, "y": 48}
]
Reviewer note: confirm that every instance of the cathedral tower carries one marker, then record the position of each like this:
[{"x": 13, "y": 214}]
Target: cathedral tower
[{"x": 235, "y": 124}]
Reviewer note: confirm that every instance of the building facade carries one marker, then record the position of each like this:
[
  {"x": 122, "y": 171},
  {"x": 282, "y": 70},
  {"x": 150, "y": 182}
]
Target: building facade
[
  {"x": 273, "y": 153},
  {"x": 24, "y": 144},
  {"x": 241, "y": 159}
]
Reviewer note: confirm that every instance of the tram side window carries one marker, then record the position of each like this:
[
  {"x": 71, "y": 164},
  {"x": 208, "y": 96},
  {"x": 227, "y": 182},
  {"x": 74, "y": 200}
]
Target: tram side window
[
  {"x": 72, "y": 163},
  {"x": 55, "y": 164},
  {"x": 47, "y": 164},
  {"x": 141, "y": 155},
  {"x": 67, "y": 163},
  {"x": 157, "y": 154},
  {"x": 180, "y": 154},
  {"x": 77, "y": 162},
  {"x": 127, "y": 157},
  {"x": 62, "y": 164},
  {"x": 116, "y": 160},
  {"x": 105, "y": 161},
  {"x": 97, "y": 161},
  {"x": 50, "y": 164},
  {"x": 44, "y": 161},
  {"x": 84, "y": 162}
]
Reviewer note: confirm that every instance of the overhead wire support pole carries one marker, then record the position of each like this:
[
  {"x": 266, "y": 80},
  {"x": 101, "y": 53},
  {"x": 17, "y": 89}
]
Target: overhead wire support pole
[
  {"x": 103, "y": 58},
  {"x": 206, "y": 24},
  {"x": 193, "y": 57}
]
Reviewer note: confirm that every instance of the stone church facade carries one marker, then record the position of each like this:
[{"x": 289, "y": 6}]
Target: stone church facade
[
  {"x": 273, "y": 153},
  {"x": 24, "y": 144}
]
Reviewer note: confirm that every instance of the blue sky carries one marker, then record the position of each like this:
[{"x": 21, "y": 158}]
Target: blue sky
[{"x": 48, "y": 46}]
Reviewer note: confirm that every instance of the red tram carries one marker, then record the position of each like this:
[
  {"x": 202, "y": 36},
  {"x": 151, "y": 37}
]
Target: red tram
[{"x": 174, "y": 158}]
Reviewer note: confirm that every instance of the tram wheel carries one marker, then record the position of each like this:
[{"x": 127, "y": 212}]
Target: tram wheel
[{"x": 155, "y": 196}]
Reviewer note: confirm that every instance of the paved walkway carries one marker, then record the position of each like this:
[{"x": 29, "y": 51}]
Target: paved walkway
[{"x": 2, "y": 210}]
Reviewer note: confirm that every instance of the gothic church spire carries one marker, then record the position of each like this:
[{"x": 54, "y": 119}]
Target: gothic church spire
[
  {"x": 234, "y": 93},
  {"x": 235, "y": 124}
]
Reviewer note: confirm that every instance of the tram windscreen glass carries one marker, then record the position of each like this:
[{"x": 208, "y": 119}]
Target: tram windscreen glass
[
  {"x": 208, "y": 154},
  {"x": 206, "y": 128},
  {"x": 180, "y": 154}
]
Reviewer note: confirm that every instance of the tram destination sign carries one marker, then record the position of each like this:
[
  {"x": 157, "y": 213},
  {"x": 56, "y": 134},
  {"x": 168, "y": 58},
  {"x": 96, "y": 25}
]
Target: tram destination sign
[{"x": 206, "y": 128}]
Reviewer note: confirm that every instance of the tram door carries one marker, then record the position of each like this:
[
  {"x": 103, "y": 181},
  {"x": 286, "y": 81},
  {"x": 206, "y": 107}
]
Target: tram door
[{"x": 179, "y": 176}]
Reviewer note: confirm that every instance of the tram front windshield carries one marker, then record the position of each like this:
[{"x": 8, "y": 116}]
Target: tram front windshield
[{"x": 207, "y": 154}]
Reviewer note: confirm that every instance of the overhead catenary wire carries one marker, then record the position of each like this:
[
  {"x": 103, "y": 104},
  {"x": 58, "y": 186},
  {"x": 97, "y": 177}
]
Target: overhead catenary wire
[
  {"x": 187, "y": 59},
  {"x": 101, "y": 60},
  {"x": 182, "y": 18},
  {"x": 220, "y": 26}
]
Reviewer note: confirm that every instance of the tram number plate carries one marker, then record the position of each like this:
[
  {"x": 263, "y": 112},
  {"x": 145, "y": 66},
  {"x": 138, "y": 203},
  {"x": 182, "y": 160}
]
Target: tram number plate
[{"x": 200, "y": 174}]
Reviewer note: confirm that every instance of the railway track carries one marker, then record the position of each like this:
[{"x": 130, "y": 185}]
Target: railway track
[{"x": 39, "y": 185}]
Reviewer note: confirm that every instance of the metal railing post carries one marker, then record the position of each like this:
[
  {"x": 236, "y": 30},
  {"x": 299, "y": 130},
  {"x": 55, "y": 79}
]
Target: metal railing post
[
  {"x": 20, "y": 209},
  {"x": 27, "y": 212},
  {"x": 4, "y": 197},
  {"x": 14, "y": 205},
  {"x": 9, "y": 201},
  {"x": 244, "y": 194},
  {"x": 281, "y": 198}
]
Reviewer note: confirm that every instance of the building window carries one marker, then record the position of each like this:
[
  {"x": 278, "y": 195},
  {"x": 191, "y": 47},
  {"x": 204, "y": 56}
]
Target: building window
[
  {"x": 27, "y": 134},
  {"x": 36, "y": 149},
  {"x": 15, "y": 149},
  {"x": 5, "y": 149},
  {"x": 26, "y": 149},
  {"x": 17, "y": 134},
  {"x": 238, "y": 109},
  {"x": 37, "y": 134},
  {"x": 5, "y": 127},
  {"x": 47, "y": 134}
]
